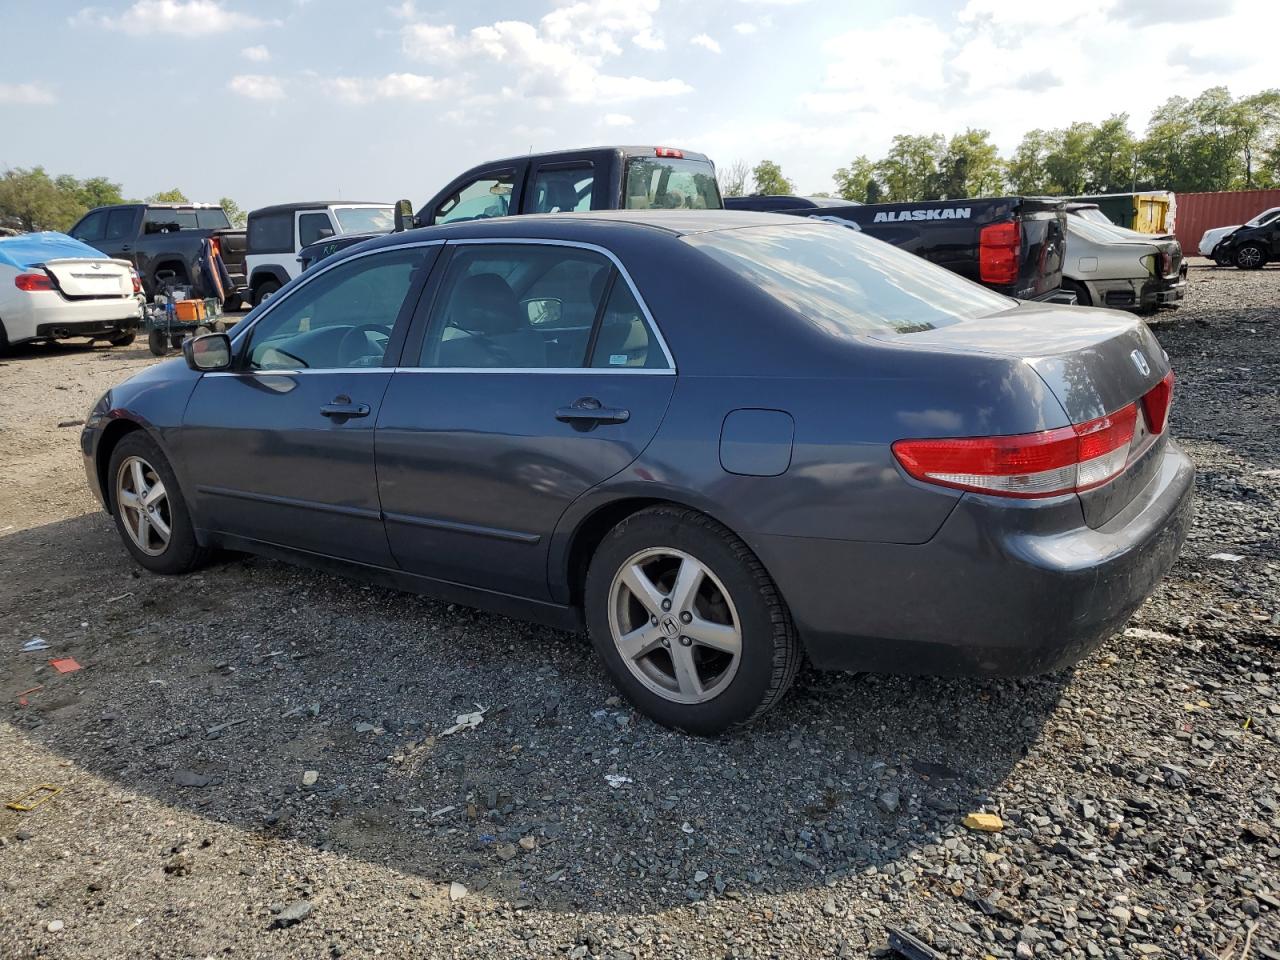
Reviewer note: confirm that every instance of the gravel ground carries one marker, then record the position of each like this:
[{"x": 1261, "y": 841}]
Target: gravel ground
[{"x": 256, "y": 761}]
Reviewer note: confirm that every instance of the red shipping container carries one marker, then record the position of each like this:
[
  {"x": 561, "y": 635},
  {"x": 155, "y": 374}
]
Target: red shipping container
[{"x": 1198, "y": 212}]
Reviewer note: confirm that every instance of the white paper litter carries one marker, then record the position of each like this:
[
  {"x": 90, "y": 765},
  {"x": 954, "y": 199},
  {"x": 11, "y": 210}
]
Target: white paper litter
[
  {"x": 35, "y": 643},
  {"x": 615, "y": 780},
  {"x": 466, "y": 721},
  {"x": 1228, "y": 557}
]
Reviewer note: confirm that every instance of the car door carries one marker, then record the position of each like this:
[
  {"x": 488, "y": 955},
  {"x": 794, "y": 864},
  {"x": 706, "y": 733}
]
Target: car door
[
  {"x": 312, "y": 226},
  {"x": 532, "y": 374},
  {"x": 92, "y": 229},
  {"x": 279, "y": 449},
  {"x": 480, "y": 195},
  {"x": 121, "y": 230}
]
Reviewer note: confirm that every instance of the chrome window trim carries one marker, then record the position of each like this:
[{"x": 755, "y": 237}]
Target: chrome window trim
[
  {"x": 577, "y": 245},
  {"x": 275, "y": 301},
  {"x": 309, "y": 277}
]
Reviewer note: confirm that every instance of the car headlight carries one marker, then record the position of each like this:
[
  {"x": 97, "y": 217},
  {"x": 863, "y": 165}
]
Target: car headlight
[{"x": 99, "y": 410}]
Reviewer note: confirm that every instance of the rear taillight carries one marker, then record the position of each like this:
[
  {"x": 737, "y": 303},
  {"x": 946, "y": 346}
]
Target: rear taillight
[
  {"x": 999, "y": 245},
  {"x": 1157, "y": 401},
  {"x": 669, "y": 152},
  {"x": 31, "y": 282},
  {"x": 137, "y": 281},
  {"x": 1045, "y": 464}
]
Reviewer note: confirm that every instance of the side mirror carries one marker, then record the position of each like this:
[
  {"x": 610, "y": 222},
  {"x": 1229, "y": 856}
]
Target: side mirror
[
  {"x": 210, "y": 352},
  {"x": 405, "y": 220},
  {"x": 324, "y": 233},
  {"x": 543, "y": 313}
]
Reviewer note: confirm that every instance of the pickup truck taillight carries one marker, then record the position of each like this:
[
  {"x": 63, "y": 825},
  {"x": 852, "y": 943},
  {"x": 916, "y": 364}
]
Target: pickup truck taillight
[
  {"x": 31, "y": 282},
  {"x": 137, "y": 281},
  {"x": 998, "y": 247}
]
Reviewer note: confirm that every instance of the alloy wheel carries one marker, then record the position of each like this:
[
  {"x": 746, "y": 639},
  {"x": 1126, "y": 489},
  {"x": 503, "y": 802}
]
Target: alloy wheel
[
  {"x": 1249, "y": 257},
  {"x": 674, "y": 625},
  {"x": 144, "y": 506}
]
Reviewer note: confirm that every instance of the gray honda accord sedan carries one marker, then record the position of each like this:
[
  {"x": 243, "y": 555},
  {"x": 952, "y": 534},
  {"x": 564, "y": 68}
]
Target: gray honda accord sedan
[{"x": 720, "y": 442}]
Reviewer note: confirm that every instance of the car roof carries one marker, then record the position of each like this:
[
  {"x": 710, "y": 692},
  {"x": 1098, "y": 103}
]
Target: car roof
[
  {"x": 317, "y": 205},
  {"x": 642, "y": 150}
]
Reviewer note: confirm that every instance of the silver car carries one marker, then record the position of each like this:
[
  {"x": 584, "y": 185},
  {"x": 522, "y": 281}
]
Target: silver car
[{"x": 1108, "y": 266}]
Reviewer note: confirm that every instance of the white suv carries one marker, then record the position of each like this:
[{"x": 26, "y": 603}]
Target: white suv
[{"x": 277, "y": 233}]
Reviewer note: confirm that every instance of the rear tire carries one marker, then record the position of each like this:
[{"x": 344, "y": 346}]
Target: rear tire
[
  {"x": 1251, "y": 257},
  {"x": 264, "y": 290},
  {"x": 1081, "y": 291},
  {"x": 122, "y": 340},
  {"x": 157, "y": 343},
  {"x": 139, "y": 470},
  {"x": 733, "y": 592}
]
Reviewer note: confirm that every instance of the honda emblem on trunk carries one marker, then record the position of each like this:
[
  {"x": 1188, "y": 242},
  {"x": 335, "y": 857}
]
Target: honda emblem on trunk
[{"x": 1140, "y": 362}]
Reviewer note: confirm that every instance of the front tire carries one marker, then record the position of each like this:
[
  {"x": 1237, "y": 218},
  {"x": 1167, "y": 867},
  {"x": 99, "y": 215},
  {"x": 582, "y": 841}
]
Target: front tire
[
  {"x": 150, "y": 512},
  {"x": 1251, "y": 257},
  {"x": 264, "y": 290},
  {"x": 1081, "y": 291},
  {"x": 688, "y": 622},
  {"x": 157, "y": 343}
]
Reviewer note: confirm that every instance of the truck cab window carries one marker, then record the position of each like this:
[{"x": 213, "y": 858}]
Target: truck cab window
[
  {"x": 561, "y": 190},
  {"x": 490, "y": 196}
]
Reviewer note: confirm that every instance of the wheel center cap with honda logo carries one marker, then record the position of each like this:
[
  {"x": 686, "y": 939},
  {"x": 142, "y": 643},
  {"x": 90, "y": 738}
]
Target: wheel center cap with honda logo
[{"x": 670, "y": 627}]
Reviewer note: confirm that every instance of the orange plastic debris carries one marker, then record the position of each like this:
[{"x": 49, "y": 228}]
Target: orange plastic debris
[{"x": 65, "y": 665}]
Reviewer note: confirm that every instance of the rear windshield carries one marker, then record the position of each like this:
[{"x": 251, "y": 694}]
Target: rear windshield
[
  {"x": 661, "y": 184},
  {"x": 847, "y": 283},
  {"x": 160, "y": 220},
  {"x": 365, "y": 219}
]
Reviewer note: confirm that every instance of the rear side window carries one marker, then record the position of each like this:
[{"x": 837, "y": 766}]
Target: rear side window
[
  {"x": 271, "y": 233},
  {"x": 119, "y": 224},
  {"x": 562, "y": 189},
  {"x": 625, "y": 338},
  {"x": 663, "y": 184},
  {"x": 845, "y": 282}
]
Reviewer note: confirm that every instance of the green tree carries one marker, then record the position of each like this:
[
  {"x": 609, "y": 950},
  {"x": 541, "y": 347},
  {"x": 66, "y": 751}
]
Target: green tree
[
  {"x": 233, "y": 211},
  {"x": 1066, "y": 162},
  {"x": 33, "y": 200},
  {"x": 1258, "y": 120},
  {"x": 852, "y": 182},
  {"x": 910, "y": 169},
  {"x": 1111, "y": 152},
  {"x": 168, "y": 196},
  {"x": 733, "y": 178},
  {"x": 970, "y": 167},
  {"x": 1026, "y": 170},
  {"x": 1162, "y": 152},
  {"x": 769, "y": 180}
]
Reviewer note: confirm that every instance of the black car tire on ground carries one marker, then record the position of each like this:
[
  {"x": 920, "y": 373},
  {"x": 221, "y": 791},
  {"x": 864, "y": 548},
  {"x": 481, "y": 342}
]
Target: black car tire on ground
[
  {"x": 157, "y": 342},
  {"x": 771, "y": 652},
  {"x": 1251, "y": 257},
  {"x": 1081, "y": 291},
  {"x": 182, "y": 553},
  {"x": 122, "y": 339},
  {"x": 263, "y": 290}
]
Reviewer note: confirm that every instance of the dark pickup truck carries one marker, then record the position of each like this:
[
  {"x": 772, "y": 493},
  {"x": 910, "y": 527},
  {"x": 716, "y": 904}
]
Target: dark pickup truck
[
  {"x": 165, "y": 243},
  {"x": 1014, "y": 245},
  {"x": 599, "y": 178}
]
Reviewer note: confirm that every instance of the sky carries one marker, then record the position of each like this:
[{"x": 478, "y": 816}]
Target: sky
[{"x": 269, "y": 101}]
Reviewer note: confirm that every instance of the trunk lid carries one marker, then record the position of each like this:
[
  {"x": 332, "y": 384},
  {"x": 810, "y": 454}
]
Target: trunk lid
[
  {"x": 1095, "y": 362},
  {"x": 85, "y": 278}
]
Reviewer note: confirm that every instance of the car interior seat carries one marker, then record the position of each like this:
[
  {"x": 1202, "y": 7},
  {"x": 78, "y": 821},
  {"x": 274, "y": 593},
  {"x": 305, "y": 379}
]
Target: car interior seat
[{"x": 498, "y": 334}]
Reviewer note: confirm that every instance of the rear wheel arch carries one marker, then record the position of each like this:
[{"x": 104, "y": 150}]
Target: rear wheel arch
[{"x": 179, "y": 268}]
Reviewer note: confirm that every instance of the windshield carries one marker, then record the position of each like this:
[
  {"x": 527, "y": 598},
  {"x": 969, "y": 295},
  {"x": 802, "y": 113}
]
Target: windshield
[
  {"x": 1264, "y": 218},
  {"x": 847, "y": 283},
  {"x": 365, "y": 219},
  {"x": 654, "y": 183}
]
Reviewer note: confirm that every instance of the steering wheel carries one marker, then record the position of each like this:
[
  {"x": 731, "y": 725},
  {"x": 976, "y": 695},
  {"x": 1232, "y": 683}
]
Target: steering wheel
[{"x": 354, "y": 345}]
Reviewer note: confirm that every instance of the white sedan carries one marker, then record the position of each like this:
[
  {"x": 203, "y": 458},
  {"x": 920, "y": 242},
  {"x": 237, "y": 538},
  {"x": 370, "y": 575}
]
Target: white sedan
[{"x": 53, "y": 287}]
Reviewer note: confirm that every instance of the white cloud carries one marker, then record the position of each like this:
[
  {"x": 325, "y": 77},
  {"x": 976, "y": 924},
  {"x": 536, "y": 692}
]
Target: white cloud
[
  {"x": 406, "y": 10},
  {"x": 258, "y": 54},
  {"x": 617, "y": 120},
  {"x": 704, "y": 40},
  {"x": 745, "y": 28},
  {"x": 257, "y": 86},
  {"x": 560, "y": 59},
  {"x": 185, "y": 17},
  {"x": 32, "y": 94},
  {"x": 393, "y": 86}
]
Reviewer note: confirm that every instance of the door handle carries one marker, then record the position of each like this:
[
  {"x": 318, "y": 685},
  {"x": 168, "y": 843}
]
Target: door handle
[
  {"x": 125, "y": 247},
  {"x": 588, "y": 410},
  {"x": 343, "y": 408}
]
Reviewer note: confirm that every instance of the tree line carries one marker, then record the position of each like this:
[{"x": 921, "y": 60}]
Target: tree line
[
  {"x": 1211, "y": 142},
  {"x": 31, "y": 199}
]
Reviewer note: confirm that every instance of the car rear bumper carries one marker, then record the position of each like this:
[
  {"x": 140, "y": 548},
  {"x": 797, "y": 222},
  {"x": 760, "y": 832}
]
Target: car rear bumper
[
  {"x": 49, "y": 316},
  {"x": 994, "y": 592},
  {"x": 1138, "y": 294}
]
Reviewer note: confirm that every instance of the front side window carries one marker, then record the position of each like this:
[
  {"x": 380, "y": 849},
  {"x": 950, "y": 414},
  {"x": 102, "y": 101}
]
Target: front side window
[
  {"x": 667, "y": 184},
  {"x": 562, "y": 189},
  {"x": 845, "y": 282},
  {"x": 481, "y": 199},
  {"x": 92, "y": 228},
  {"x": 341, "y": 319},
  {"x": 313, "y": 227},
  {"x": 519, "y": 306}
]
